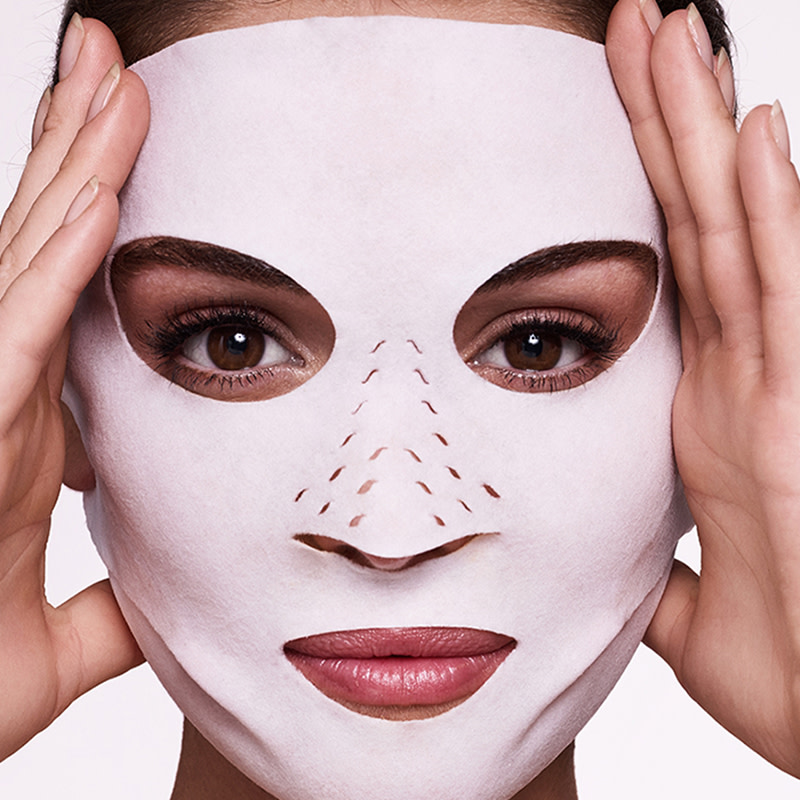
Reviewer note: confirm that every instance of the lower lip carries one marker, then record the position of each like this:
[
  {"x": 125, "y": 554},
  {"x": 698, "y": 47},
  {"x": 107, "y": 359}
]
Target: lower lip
[{"x": 399, "y": 668}]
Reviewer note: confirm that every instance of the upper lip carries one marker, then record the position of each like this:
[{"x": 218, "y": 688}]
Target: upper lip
[{"x": 416, "y": 642}]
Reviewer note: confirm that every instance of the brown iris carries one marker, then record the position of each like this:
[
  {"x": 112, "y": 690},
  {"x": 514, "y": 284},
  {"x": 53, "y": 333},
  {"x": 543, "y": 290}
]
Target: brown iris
[
  {"x": 531, "y": 350},
  {"x": 233, "y": 347}
]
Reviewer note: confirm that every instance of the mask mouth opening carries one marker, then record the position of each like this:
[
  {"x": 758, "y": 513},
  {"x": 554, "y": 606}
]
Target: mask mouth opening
[{"x": 400, "y": 674}]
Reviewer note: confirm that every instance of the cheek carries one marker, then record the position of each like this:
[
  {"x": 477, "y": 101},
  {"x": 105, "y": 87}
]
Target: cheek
[{"x": 396, "y": 450}]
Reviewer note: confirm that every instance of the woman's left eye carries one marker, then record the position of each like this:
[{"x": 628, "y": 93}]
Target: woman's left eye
[
  {"x": 532, "y": 350},
  {"x": 545, "y": 350},
  {"x": 233, "y": 348}
]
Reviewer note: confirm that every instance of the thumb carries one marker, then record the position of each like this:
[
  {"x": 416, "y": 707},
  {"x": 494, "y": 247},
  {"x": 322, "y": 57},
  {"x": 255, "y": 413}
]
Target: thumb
[{"x": 669, "y": 628}]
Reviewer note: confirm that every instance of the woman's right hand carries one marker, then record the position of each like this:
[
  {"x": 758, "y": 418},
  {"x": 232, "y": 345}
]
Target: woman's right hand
[{"x": 53, "y": 237}]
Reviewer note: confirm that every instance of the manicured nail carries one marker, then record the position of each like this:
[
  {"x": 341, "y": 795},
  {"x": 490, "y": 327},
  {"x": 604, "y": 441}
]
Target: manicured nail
[
  {"x": 41, "y": 116},
  {"x": 697, "y": 29},
  {"x": 104, "y": 92},
  {"x": 71, "y": 46},
  {"x": 652, "y": 14},
  {"x": 780, "y": 131},
  {"x": 82, "y": 200},
  {"x": 724, "y": 72}
]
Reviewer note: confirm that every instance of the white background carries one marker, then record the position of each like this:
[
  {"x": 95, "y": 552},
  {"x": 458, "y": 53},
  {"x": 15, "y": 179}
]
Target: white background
[{"x": 121, "y": 741}]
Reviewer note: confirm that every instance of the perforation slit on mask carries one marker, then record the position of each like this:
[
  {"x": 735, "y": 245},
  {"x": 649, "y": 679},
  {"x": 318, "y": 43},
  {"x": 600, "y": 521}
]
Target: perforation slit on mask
[{"x": 394, "y": 475}]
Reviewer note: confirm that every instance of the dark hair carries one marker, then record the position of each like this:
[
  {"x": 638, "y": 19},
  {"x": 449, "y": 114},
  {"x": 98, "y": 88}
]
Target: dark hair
[{"x": 144, "y": 27}]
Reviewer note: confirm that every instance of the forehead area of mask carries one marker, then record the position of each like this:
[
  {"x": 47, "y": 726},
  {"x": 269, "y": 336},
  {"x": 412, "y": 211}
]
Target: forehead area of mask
[{"x": 331, "y": 144}]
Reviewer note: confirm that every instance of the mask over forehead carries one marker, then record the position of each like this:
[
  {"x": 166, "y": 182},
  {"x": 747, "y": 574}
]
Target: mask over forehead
[{"x": 390, "y": 166}]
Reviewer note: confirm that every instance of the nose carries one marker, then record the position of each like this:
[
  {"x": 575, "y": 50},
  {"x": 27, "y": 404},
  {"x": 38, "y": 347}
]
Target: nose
[
  {"x": 327, "y": 544},
  {"x": 394, "y": 489}
]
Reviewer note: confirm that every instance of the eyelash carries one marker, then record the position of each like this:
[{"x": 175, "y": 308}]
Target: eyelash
[
  {"x": 165, "y": 341},
  {"x": 602, "y": 346}
]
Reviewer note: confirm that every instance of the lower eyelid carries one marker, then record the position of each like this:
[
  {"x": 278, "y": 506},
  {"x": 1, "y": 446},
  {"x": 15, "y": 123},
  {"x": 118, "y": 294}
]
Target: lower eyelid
[{"x": 539, "y": 382}]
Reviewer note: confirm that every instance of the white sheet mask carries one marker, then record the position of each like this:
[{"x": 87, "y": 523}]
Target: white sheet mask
[{"x": 390, "y": 166}]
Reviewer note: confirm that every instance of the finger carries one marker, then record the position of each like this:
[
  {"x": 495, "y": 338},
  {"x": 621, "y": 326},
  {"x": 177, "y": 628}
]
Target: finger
[
  {"x": 94, "y": 641},
  {"x": 628, "y": 46},
  {"x": 669, "y": 628},
  {"x": 771, "y": 193},
  {"x": 690, "y": 338},
  {"x": 38, "y": 304},
  {"x": 93, "y": 50},
  {"x": 704, "y": 140},
  {"x": 106, "y": 147}
]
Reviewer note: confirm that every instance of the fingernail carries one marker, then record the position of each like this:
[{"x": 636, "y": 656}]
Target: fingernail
[
  {"x": 83, "y": 200},
  {"x": 104, "y": 92},
  {"x": 697, "y": 28},
  {"x": 41, "y": 116},
  {"x": 780, "y": 131},
  {"x": 71, "y": 46},
  {"x": 724, "y": 72},
  {"x": 652, "y": 14}
]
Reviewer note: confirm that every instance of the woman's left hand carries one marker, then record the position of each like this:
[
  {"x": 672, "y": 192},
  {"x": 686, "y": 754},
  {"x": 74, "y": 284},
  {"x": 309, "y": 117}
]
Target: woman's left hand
[{"x": 732, "y": 206}]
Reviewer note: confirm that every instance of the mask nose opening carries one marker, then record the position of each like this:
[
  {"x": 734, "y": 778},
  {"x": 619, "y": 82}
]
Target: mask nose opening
[{"x": 327, "y": 544}]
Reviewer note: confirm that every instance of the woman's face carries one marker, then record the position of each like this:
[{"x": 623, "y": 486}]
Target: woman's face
[{"x": 377, "y": 388}]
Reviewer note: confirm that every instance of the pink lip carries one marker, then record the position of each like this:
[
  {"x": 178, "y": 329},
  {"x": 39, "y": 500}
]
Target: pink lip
[{"x": 399, "y": 667}]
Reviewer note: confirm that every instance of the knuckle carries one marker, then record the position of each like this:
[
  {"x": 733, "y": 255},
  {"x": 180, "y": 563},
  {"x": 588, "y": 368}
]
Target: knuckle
[
  {"x": 55, "y": 120},
  {"x": 720, "y": 228},
  {"x": 9, "y": 266}
]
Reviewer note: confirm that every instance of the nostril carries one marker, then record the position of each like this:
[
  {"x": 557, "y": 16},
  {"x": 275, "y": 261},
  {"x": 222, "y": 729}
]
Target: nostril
[{"x": 328, "y": 544}]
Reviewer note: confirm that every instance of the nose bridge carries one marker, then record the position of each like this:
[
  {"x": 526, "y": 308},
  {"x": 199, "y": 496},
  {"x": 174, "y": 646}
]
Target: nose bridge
[{"x": 393, "y": 490}]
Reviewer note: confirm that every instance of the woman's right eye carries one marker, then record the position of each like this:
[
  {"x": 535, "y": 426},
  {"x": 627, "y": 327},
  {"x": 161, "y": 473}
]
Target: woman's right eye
[
  {"x": 218, "y": 323},
  {"x": 234, "y": 348},
  {"x": 235, "y": 352}
]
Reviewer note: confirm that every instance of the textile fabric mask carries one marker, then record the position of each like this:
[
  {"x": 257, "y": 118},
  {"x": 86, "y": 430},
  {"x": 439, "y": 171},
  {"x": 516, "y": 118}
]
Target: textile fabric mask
[{"x": 390, "y": 166}]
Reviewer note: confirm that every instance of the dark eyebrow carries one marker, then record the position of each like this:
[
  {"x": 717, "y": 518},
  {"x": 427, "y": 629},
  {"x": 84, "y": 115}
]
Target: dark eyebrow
[
  {"x": 137, "y": 256},
  {"x": 564, "y": 256}
]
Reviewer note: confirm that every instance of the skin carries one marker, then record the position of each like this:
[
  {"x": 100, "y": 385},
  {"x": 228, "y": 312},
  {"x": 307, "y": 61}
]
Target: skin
[{"x": 732, "y": 203}]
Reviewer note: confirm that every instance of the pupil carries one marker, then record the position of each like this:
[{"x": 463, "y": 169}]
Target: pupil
[
  {"x": 235, "y": 348},
  {"x": 532, "y": 346},
  {"x": 533, "y": 351},
  {"x": 237, "y": 344}
]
